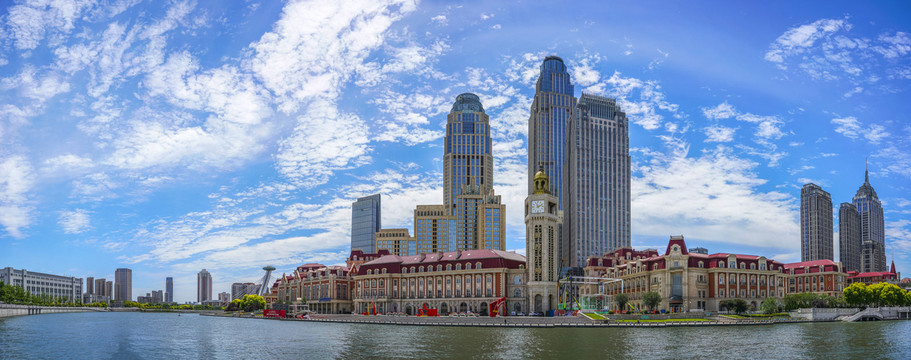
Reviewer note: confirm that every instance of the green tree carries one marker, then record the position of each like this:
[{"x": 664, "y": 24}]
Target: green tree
[
  {"x": 891, "y": 295},
  {"x": 621, "y": 300},
  {"x": 858, "y": 294},
  {"x": 769, "y": 306},
  {"x": 651, "y": 300},
  {"x": 252, "y": 302}
]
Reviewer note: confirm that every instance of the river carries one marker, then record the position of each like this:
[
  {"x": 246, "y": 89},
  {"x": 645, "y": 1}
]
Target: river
[{"x": 190, "y": 336}]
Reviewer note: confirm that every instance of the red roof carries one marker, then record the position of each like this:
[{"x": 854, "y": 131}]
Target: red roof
[
  {"x": 822, "y": 262},
  {"x": 877, "y": 273}
]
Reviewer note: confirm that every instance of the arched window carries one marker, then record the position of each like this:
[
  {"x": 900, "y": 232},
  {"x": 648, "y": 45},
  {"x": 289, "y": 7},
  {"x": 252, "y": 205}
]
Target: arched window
[
  {"x": 655, "y": 267},
  {"x": 412, "y": 269},
  {"x": 458, "y": 266},
  {"x": 517, "y": 280},
  {"x": 721, "y": 264},
  {"x": 478, "y": 265},
  {"x": 384, "y": 270},
  {"x": 517, "y": 293},
  {"x": 753, "y": 266},
  {"x": 421, "y": 269},
  {"x": 369, "y": 272},
  {"x": 701, "y": 265},
  {"x": 743, "y": 265},
  {"x": 448, "y": 267},
  {"x": 467, "y": 266},
  {"x": 439, "y": 267}
]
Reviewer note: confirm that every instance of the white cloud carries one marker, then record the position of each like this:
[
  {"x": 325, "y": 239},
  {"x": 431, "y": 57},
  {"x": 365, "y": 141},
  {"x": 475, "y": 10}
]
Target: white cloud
[
  {"x": 852, "y": 128},
  {"x": 440, "y": 19},
  {"x": 642, "y": 109},
  {"x": 719, "y": 133},
  {"x": 584, "y": 72},
  {"x": 722, "y": 111},
  {"x": 715, "y": 197},
  {"x": 39, "y": 87},
  {"x": 795, "y": 40},
  {"x": 16, "y": 180},
  {"x": 894, "y": 46},
  {"x": 75, "y": 221},
  {"x": 324, "y": 141},
  {"x": 30, "y": 23}
]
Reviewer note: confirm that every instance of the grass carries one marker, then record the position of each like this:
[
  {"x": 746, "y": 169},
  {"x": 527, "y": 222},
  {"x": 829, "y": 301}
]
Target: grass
[
  {"x": 659, "y": 320},
  {"x": 594, "y": 316},
  {"x": 755, "y": 316}
]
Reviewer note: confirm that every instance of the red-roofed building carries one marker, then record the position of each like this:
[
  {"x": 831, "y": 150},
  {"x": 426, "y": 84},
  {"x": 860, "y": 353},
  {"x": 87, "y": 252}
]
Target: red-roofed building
[
  {"x": 456, "y": 281},
  {"x": 891, "y": 276},
  {"x": 325, "y": 289},
  {"x": 817, "y": 276},
  {"x": 687, "y": 281}
]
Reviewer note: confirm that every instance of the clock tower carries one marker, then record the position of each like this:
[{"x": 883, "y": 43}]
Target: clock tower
[{"x": 542, "y": 219}]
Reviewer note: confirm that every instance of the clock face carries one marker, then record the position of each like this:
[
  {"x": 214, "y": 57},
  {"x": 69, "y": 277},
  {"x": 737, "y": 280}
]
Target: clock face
[{"x": 537, "y": 206}]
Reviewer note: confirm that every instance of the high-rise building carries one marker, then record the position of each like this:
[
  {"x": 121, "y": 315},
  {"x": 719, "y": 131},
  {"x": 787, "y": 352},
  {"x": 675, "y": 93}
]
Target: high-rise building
[
  {"x": 100, "y": 288},
  {"x": 541, "y": 232},
  {"x": 203, "y": 286},
  {"x": 815, "y": 224},
  {"x": 467, "y": 159},
  {"x": 224, "y": 297},
  {"x": 597, "y": 184},
  {"x": 365, "y": 222},
  {"x": 90, "y": 285},
  {"x": 872, "y": 227},
  {"x": 157, "y": 296},
  {"x": 849, "y": 240},
  {"x": 169, "y": 289},
  {"x": 123, "y": 283},
  {"x": 109, "y": 289},
  {"x": 434, "y": 226},
  {"x": 238, "y": 290},
  {"x": 397, "y": 241},
  {"x": 551, "y": 111}
]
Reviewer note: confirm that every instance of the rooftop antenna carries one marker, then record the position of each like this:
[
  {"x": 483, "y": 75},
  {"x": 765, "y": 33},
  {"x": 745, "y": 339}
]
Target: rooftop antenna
[{"x": 866, "y": 169}]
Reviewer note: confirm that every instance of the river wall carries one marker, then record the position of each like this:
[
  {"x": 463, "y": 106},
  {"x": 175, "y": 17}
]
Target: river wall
[{"x": 8, "y": 310}]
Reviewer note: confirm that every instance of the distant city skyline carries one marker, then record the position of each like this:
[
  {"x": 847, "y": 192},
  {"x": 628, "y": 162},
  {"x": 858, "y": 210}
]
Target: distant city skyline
[{"x": 168, "y": 137}]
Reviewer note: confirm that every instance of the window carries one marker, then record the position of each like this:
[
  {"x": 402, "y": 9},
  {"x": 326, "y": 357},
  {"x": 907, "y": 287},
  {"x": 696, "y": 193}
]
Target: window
[
  {"x": 439, "y": 267},
  {"x": 468, "y": 266},
  {"x": 448, "y": 267},
  {"x": 721, "y": 264},
  {"x": 458, "y": 266},
  {"x": 753, "y": 266},
  {"x": 743, "y": 265},
  {"x": 517, "y": 280},
  {"x": 478, "y": 265},
  {"x": 701, "y": 265},
  {"x": 517, "y": 293}
]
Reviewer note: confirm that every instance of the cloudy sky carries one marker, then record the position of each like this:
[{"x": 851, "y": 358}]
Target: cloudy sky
[{"x": 172, "y": 136}]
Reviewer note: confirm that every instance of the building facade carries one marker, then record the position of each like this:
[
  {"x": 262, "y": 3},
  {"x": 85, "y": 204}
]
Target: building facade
[
  {"x": 157, "y": 296},
  {"x": 434, "y": 226},
  {"x": 169, "y": 289},
  {"x": 686, "y": 281},
  {"x": 203, "y": 286},
  {"x": 467, "y": 158},
  {"x": 597, "y": 191},
  {"x": 238, "y": 290},
  {"x": 396, "y": 241},
  {"x": 36, "y": 283},
  {"x": 872, "y": 228},
  {"x": 542, "y": 220},
  {"x": 819, "y": 276},
  {"x": 325, "y": 289},
  {"x": 89, "y": 285},
  {"x": 123, "y": 284},
  {"x": 366, "y": 220},
  {"x": 815, "y": 224},
  {"x": 850, "y": 244},
  {"x": 551, "y": 111},
  {"x": 457, "y": 281}
]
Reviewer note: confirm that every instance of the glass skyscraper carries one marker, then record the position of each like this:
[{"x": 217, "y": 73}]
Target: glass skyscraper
[
  {"x": 365, "y": 222},
  {"x": 872, "y": 227},
  {"x": 815, "y": 224},
  {"x": 597, "y": 197},
  {"x": 169, "y": 289},
  {"x": 467, "y": 161},
  {"x": 551, "y": 111},
  {"x": 123, "y": 284}
]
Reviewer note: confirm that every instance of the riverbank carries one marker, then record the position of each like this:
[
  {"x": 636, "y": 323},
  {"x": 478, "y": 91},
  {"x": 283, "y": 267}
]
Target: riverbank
[{"x": 10, "y": 310}]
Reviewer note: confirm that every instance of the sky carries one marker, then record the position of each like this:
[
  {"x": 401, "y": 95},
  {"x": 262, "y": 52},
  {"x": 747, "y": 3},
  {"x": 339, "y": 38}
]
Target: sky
[{"x": 173, "y": 136}]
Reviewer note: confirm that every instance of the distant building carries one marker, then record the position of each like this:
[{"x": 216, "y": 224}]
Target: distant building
[
  {"x": 123, "y": 284},
  {"x": 551, "y": 110},
  {"x": 224, "y": 298},
  {"x": 396, "y": 241},
  {"x": 157, "y": 296},
  {"x": 90, "y": 285},
  {"x": 434, "y": 230},
  {"x": 36, "y": 283},
  {"x": 850, "y": 244},
  {"x": 325, "y": 289},
  {"x": 891, "y": 276},
  {"x": 366, "y": 216},
  {"x": 238, "y": 290},
  {"x": 169, "y": 289},
  {"x": 815, "y": 224},
  {"x": 203, "y": 286},
  {"x": 109, "y": 290},
  {"x": 596, "y": 199},
  {"x": 872, "y": 228},
  {"x": 144, "y": 299},
  {"x": 101, "y": 289},
  {"x": 699, "y": 250}
]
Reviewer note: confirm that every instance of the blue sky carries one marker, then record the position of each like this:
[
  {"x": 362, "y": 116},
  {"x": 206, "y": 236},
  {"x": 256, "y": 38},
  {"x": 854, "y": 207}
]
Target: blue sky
[{"x": 172, "y": 136}]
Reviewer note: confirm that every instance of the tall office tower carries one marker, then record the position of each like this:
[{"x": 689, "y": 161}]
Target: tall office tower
[
  {"x": 109, "y": 289},
  {"x": 203, "y": 286},
  {"x": 397, "y": 241},
  {"x": 467, "y": 159},
  {"x": 815, "y": 224},
  {"x": 872, "y": 227},
  {"x": 365, "y": 222},
  {"x": 849, "y": 243},
  {"x": 541, "y": 231},
  {"x": 90, "y": 285},
  {"x": 433, "y": 229},
  {"x": 551, "y": 111},
  {"x": 157, "y": 296},
  {"x": 169, "y": 289},
  {"x": 597, "y": 197},
  {"x": 100, "y": 288},
  {"x": 123, "y": 282}
]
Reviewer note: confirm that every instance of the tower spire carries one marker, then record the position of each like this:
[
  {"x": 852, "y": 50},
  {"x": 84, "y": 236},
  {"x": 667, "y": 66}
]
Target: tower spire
[{"x": 866, "y": 170}]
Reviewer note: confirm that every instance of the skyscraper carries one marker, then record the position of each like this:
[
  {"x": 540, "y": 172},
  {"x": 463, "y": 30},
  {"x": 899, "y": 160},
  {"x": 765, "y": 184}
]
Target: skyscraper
[
  {"x": 203, "y": 286},
  {"x": 123, "y": 283},
  {"x": 551, "y": 111},
  {"x": 849, "y": 243},
  {"x": 90, "y": 285},
  {"x": 815, "y": 224},
  {"x": 467, "y": 160},
  {"x": 169, "y": 289},
  {"x": 597, "y": 193},
  {"x": 365, "y": 222},
  {"x": 872, "y": 227},
  {"x": 100, "y": 288}
]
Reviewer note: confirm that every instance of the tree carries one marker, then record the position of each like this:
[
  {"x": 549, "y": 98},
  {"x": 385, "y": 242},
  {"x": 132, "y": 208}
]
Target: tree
[
  {"x": 621, "y": 300},
  {"x": 891, "y": 295},
  {"x": 769, "y": 306},
  {"x": 738, "y": 306},
  {"x": 252, "y": 302},
  {"x": 857, "y": 294},
  {"x": 651, "y": 300}
]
